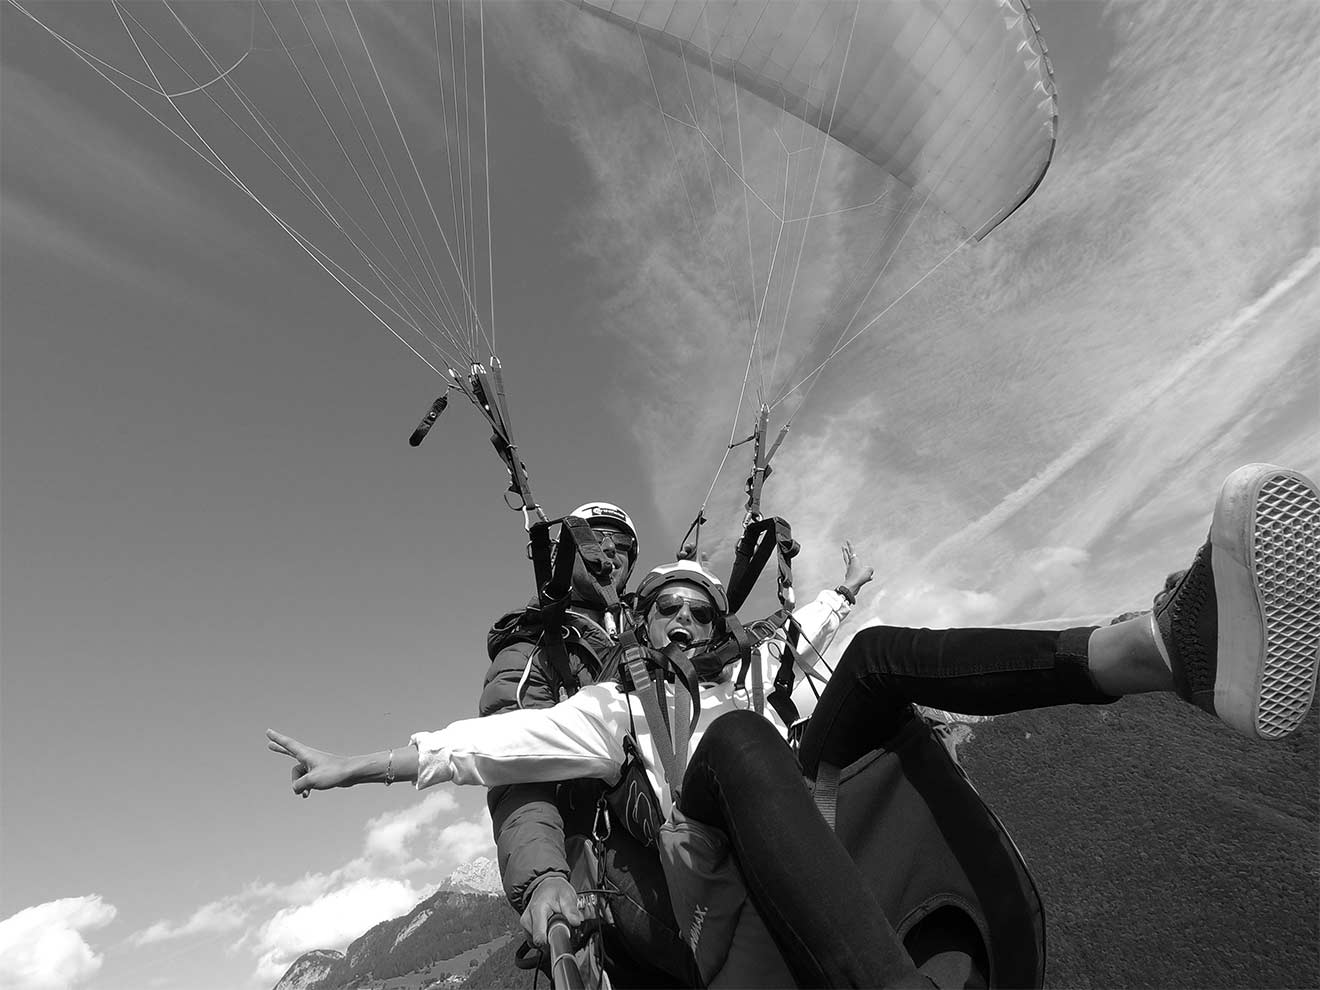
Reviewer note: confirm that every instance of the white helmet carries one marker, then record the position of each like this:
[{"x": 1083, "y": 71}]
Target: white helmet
[
  {"x": 684, "y": 570},
  {"x": 594, "y": 512}
]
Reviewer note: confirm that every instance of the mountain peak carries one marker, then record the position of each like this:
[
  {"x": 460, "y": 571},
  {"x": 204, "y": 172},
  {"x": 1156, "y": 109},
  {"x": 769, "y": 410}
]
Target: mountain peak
[
  {"x": 310, "y": 970},
  {"x": 481, "y": 876}
]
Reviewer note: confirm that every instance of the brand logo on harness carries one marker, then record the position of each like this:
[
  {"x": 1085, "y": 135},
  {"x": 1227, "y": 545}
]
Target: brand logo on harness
[{"x": 694, "y": 932}]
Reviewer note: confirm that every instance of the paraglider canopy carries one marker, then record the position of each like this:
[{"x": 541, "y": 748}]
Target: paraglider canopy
[{"x": 955, "y": 99}]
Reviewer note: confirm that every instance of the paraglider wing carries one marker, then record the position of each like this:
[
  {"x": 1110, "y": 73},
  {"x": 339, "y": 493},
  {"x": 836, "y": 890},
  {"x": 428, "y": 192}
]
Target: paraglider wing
[{"x": 955, "y": 99}]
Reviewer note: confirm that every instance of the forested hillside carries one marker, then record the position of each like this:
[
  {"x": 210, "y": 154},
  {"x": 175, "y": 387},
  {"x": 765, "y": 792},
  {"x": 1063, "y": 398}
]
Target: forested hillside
[
  {"x": 442, "y": 927},
  {"x": 1169, "y": 851}
]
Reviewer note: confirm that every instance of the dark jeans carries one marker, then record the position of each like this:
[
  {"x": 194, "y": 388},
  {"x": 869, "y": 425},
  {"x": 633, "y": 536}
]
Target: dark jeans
[
  {"x": 744, "y": 780},
  {"x": 886, "y": 670}
]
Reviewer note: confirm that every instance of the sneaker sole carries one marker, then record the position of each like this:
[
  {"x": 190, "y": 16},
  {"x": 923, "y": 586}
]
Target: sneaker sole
[{"x": 1265, "y": 555}]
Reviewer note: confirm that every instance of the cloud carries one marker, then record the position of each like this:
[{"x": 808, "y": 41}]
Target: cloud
[
  {"x": 219, "y": 916},
  {"x": 43, "y": 948},
  {"x": 390, "y": 834},
  {"x": 330, "y": 921},
  {"x": 1134, "y": 407},
  {"x": 463, "y": 841},
  {"x": 919, "y": 602},
  {"x": 103, "y": 176}
]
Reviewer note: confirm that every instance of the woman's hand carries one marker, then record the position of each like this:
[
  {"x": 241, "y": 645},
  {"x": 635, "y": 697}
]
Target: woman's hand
[
  {"x": 313, "y": 770},
  {"x": 855, "y": 573}
]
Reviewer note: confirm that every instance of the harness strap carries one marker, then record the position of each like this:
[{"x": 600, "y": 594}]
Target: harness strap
[
  {"x": 490, "y": 400},
  {"x": 759, "y": 540},
  {"x": 630, "y": 645},
  {"x": 671, "y": 738},
  {"x": 825, "y": 792},
  {"x": 583, "y": 542},
  {"x": 682, "y": 729},
  {"x": 743, "y": 641},
  {"x": 539, "y": 546},
  {"x": 672, "y": 659},
  {"x": 781, "y": 698},
  {"x": 551, "y": 645},
  {"x": 554, "y": 584},
  {"x": 645, "y": 689}
]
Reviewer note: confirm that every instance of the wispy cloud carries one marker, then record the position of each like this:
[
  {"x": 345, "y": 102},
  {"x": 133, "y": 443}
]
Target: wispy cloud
[
  {"x": 76, "y": 229},
  {"x": 218, "y": 916},
  {"x": 44, "y": 947},
  {"x": 463, "y": 841},
  {"x": 389, "y": 835},
  {"x": 1131, "y": 408}
]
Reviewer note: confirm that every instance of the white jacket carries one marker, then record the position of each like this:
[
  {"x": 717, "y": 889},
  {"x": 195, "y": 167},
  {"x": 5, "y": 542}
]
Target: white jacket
[{"x": 583, "y": 736}]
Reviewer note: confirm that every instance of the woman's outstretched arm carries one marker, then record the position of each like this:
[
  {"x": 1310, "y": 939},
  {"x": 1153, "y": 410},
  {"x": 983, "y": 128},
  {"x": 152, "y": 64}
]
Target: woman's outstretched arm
[
  {"x": 580, "y": 737},
  {"x": 316, "y": 770}
]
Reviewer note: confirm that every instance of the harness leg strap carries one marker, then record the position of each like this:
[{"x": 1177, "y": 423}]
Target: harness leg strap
[{"x": 825, "y": 792}]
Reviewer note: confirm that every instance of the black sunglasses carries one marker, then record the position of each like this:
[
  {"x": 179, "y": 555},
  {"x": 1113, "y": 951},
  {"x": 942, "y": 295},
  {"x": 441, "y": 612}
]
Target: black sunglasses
[
  {"x": 670, "y": 605},
  {"x": 621, "y": 543}
]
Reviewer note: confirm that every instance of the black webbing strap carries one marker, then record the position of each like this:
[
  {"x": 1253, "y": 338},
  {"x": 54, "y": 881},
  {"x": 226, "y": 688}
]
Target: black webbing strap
[
  {"x": 514, "y": 465},
  {"x": 825, "y": 792},
  {"x": 781, "y": 698},
  {"x": 492, "y": 403},
  {"x": 554, "y": 584},
  {"x": 762, "y": 630},
  {"x": 554, "y": 580},
  {"x": 759, "y": 540},
  {"x": 539, "y": 548},
  {"x": 742, "y": 643},
  {"x": 754, "y": 549},
  {"x": 554, "y": 570},
  {"x": 582, "y": 541}
]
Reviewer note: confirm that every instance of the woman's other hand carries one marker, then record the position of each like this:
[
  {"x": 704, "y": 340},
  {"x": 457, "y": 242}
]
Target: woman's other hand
[{"x": 855, "y": 573}]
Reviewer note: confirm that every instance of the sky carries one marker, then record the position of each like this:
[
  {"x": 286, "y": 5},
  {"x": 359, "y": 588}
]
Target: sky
[{"x": 210, "y": 523}]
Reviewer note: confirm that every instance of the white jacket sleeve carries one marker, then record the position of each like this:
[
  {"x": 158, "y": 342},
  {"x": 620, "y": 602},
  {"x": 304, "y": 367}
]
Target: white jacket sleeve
[{"x": 580, "y": 737}]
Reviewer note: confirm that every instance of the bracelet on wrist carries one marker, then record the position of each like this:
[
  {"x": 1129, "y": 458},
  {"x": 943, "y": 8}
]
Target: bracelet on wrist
[{"x": 844, "y": 592}]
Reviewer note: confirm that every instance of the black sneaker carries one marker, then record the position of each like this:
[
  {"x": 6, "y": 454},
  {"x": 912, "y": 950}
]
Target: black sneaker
[
  {"x": 1241, "y": 629},
  {"x": 1170, "y": 583}
]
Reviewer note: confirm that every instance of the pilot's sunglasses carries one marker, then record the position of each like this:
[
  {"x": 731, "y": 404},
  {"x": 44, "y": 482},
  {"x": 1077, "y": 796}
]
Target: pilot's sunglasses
[
  {"x": 670, "y": 605},
  {"x": 621, "y": 543}
]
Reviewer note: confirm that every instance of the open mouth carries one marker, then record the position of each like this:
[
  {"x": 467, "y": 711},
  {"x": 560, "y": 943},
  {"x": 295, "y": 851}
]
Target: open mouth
[{"x": 680, "y": 637}]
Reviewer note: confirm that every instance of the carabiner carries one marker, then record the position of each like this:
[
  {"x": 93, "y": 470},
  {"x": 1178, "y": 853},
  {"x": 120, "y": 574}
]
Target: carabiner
[{"x": 600, "y": 825}]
